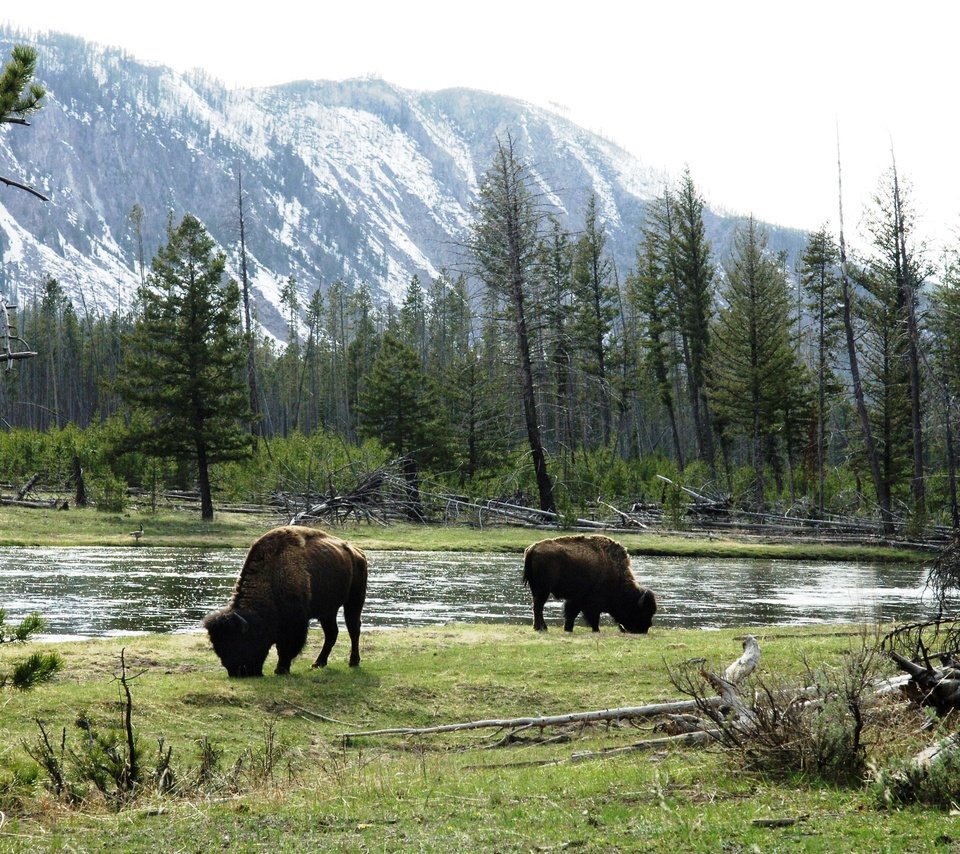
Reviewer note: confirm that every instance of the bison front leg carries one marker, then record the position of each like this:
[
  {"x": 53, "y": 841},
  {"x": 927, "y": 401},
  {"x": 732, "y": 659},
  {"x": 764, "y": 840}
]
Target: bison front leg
[
  {"x": 330, "y": 632},
  {"x": 571, "y": 610},
  {"x": 290, "y": 642}
]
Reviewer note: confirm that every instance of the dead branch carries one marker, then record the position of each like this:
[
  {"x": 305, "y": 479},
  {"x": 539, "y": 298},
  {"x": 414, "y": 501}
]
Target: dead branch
[
  {"x": 626, "y": 519},
  {"x": 926, "y": 757},
  {"x": 22, "y": 492},
  {"x": 938, "y": 687},
  {"x": 624, "y": 713},
  {"x": 738, "y": 670},
  {"x": 688, "y": 739},
  {"x": 746, "y": 663}
]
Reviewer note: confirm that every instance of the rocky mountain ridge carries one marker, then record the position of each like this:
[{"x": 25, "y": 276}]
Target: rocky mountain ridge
[{"x": 357, "y": 180}]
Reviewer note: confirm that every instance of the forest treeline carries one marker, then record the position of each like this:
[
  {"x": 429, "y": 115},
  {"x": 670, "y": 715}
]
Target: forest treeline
[{"x": 539, "y": 369}]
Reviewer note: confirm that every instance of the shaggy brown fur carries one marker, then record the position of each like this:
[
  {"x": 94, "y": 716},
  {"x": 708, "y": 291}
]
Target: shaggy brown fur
[
  {"x": 592, "y": 574},
  {"x": 290, "y": 575}
]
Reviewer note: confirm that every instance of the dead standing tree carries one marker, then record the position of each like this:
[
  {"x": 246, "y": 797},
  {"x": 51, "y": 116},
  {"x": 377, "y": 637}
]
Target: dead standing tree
[{"x": 504, "y": 243}]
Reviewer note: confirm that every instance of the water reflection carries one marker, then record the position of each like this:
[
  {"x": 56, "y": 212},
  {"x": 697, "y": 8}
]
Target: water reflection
[{"x": 98, "y": 591}]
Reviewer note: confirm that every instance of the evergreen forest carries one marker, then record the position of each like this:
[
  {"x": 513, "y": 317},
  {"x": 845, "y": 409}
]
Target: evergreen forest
[{"x": 537, "y": 370}]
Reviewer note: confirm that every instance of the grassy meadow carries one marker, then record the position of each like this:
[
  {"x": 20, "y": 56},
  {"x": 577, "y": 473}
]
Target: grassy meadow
[
  {"x": 176, "y": 528},
  {"x": 261, "y": 764}
]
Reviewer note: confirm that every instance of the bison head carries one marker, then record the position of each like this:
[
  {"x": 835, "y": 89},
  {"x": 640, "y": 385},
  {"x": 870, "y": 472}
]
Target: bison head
[
  {"x": 236, "y": 640},
  {"x": 637, "y": 616}
]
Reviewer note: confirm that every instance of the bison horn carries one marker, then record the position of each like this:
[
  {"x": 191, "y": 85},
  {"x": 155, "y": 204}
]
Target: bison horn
[{"x": 243, "y": 621}]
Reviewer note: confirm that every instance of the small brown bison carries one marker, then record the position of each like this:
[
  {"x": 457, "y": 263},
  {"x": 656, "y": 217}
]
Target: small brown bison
[
  {"x": 289, "y": 575},
  {"x": 592, "y": 574}
]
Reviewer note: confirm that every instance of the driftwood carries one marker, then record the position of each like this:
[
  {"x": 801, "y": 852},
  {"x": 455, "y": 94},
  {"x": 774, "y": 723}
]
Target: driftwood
[
  {"x": 938, "y": 687},
  {"x": 22, "y": 492},
  {"x": 31, "y": 505},
  {"x": 691, "y": 730},
  {"x": 687, "y": 739},
  {"x": 617, "y": 714},
  {"x": 674, "y": 709}
]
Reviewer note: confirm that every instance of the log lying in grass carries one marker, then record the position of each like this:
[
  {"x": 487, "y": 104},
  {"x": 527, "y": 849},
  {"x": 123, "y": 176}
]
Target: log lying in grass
[
  {"x": 738, "y": 670},
  {"x": 617, "y": 714},
  {"x": 938, "y": 687}
]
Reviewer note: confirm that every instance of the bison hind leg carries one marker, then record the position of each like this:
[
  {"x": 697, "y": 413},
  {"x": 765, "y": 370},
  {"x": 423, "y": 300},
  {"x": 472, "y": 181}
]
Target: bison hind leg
[
  {"x": 571, "y": 611},
  {"x": 351, "y": 616},
  {"x": 290, "y": 643},
  {"x": 539, "y": 600},
  {"x": 330, "y": 631}
]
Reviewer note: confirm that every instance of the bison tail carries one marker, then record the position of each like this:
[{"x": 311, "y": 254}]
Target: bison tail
[{"x": 527, "y": 566}]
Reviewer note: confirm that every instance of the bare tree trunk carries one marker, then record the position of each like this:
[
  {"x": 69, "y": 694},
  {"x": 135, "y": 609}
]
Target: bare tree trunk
[
  {"x": 507, "y": 168},
  {"x": 255, "y": 428},
  {"x": 870, "y": 448},
  {"x": 951, "y": 470},
  {"x": 203, "y": 478},
  {"x": 906, "y": 288}
]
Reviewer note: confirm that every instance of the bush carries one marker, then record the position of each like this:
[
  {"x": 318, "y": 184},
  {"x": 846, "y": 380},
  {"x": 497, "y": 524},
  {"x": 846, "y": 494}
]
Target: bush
[
  {"x": 906, "y": 782},
  {"x": 37, "y": 667},
  {"x": 109, "y": 494},
  {"x": 820, "y": 727}
]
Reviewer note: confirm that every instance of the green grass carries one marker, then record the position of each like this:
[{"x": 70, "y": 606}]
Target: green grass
[
  {"x": 451, "y": 792},
  {"x": 87, "y": 527}
]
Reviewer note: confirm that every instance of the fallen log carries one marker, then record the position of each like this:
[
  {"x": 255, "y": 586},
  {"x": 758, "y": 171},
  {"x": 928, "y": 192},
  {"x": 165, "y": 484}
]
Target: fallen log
[
  {"x": 746, "y": 663},
  {"x": 33, "y": 505},
  {"x": 22, "y": 492},
  {"x": 623, "y": 713},
  {"x": 739, "y": 670},
  {"x": 687, "y": 739},
  {"x": 926, "y": 757},
  {"x": 928, "y": 685}
]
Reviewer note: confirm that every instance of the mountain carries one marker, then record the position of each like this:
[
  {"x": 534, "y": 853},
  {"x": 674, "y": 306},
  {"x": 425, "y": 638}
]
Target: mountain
[{"x": 358, "y": 180}]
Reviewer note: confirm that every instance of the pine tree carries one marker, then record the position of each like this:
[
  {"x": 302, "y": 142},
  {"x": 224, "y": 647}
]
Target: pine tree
[
  {"x": 290, "y": 361},
  {"x": 554, "y": 276},
  {"x": 694, "y": 293},
  {"x": 504, "y": 243},
  {"x": 399, "y": 404},
  {"x": 649, "y": 291},
  {"x": 413, "y": 319},
  {"x": 754, "y": 365},
  {"x": 35, "y": 669},
  {"x": 364, "y": 342},
  {"x": 185, "y": 369},
  {"x": 898, "y": 271},
  {"x": 945, "y": 315},
  {"x": 595, "y": 307},
  {"x": 20, "y": 97},
  {"x": 819, "y": 277}
]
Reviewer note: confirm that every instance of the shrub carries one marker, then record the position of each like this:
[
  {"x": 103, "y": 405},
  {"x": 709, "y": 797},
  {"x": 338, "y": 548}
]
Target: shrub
[
  {"x": 819, "y": 727},
  {"x": 936, "y": 784}
]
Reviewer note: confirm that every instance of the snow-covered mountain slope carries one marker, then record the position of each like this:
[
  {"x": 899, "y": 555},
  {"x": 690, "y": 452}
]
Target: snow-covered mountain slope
[{"x": 356, "y": 180}]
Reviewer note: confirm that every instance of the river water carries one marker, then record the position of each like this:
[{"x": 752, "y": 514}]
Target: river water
[{"x": 90, "y": 592}]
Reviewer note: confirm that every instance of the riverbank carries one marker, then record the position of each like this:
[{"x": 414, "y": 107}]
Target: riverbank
[
  {"x": 184, "y": 529},
  {"x": 262, "y": 764}
]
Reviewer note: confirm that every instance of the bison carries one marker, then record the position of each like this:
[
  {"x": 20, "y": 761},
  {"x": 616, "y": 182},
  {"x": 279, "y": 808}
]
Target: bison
[
  {"x": 592, "y": 574},
  {"x": 289, "y": 575}
]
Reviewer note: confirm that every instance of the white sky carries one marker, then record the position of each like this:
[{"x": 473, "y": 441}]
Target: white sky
[{"x": 748, "y": 94}]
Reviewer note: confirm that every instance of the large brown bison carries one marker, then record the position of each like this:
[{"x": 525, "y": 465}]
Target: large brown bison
[
  {"x": 592, "y": 574},
  {"x": 290, "y": 575}
]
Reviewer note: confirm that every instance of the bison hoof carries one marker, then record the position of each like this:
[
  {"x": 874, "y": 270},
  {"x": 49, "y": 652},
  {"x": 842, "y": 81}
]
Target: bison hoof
[
  {"x": 355, "y": 663},
  {"x": 319, "y": 663}
]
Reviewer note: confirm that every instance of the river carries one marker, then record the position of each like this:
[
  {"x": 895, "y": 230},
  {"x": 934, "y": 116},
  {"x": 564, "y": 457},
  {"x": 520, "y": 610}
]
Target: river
[{"x": 97, "y": 592}]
